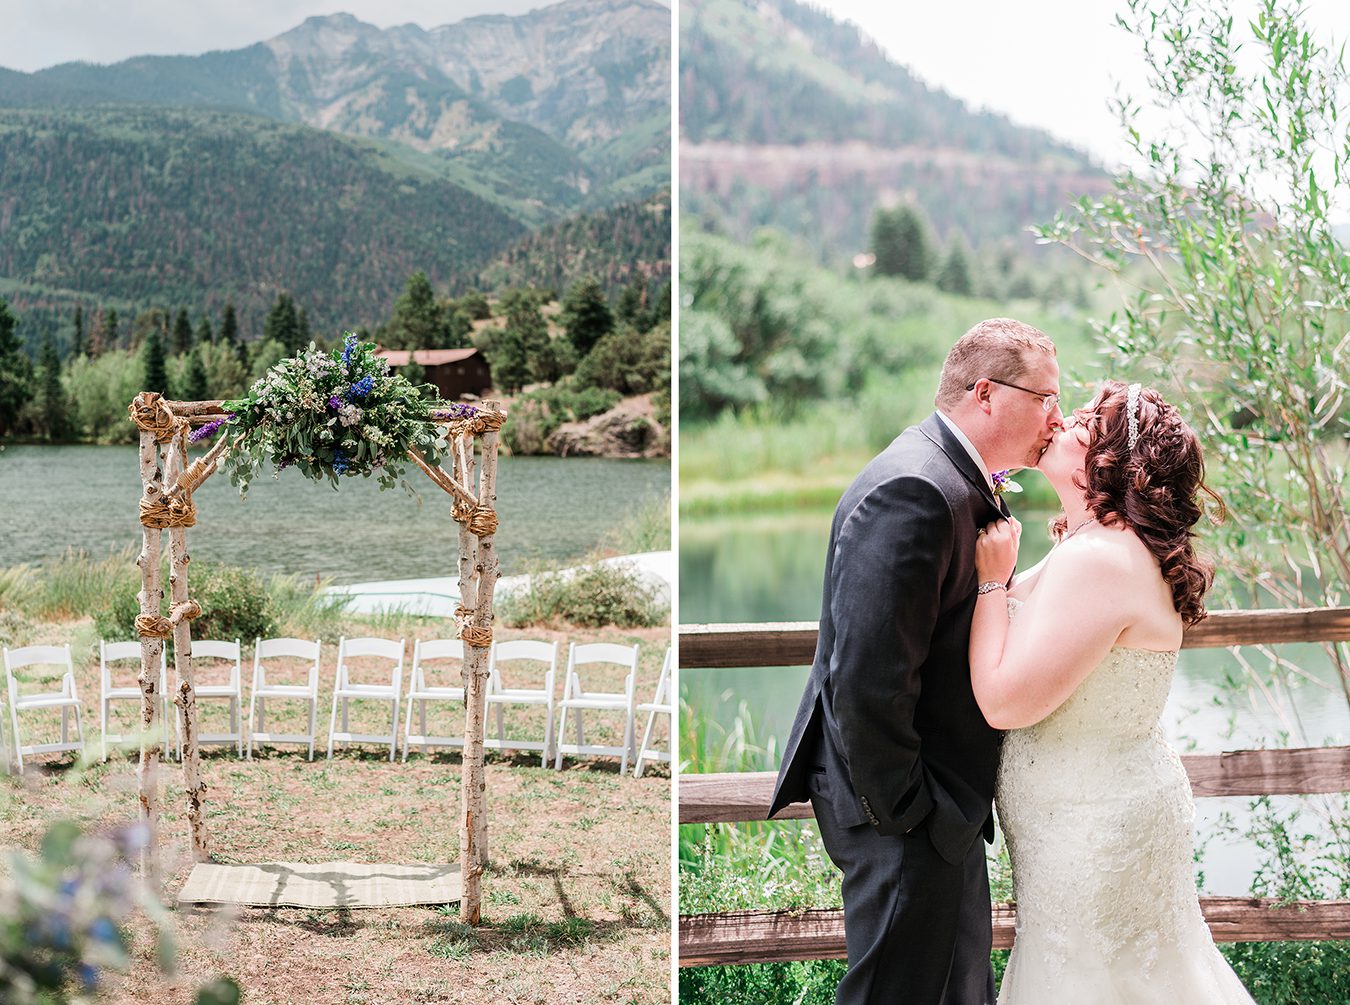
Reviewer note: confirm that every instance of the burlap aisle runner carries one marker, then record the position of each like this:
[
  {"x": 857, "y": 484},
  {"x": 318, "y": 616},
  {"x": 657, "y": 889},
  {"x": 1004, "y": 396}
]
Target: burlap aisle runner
[{"x": 321, "y": 884}]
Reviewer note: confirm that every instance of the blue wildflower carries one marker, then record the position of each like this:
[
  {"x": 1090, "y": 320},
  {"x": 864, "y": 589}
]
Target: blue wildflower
[
  {"x": 340, "y": 462},
  {"x": 88, "y": 976},
  {"x": 349, "y": 347},
  {"x": 361, "y": 388},
  {"x": 103, "y": 930}
]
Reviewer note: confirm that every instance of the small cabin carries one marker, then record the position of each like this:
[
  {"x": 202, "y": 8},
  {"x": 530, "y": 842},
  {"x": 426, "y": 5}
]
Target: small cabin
[{"x": 455, "y": 372}]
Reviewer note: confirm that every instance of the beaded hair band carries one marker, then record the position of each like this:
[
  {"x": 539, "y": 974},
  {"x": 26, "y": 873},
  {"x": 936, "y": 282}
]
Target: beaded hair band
[{"x": 1132, "y": 412}]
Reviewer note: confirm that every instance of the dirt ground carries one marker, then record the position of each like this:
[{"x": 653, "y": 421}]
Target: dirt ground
[{"x": 577, "y": 897}]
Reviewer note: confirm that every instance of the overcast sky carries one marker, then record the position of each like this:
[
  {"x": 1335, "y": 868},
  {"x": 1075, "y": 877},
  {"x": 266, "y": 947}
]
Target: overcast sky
[
  {"x": 40, "y": 33},
  {"x": 1047, "y": 63}
]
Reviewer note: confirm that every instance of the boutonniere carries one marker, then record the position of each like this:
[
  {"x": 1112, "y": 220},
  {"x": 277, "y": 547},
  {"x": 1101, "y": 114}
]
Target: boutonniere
[{"x": 1004, "y": 484}]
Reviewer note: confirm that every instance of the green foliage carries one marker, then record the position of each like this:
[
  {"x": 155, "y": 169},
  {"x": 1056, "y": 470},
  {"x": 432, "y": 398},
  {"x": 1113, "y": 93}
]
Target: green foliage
[
  {"x": 153, "y": 361},
  {"x": 128, "y": 180},
  {"x": 330, "y": 415},
  {"x": 195, "y": 386},
  {"x": 645, "y": 528},
  {"x": 182, "y": 332},
  {"x": 235, "y": 604},
  {"x": 592, "y": 596},
  {"x": 536, "y": 415},
  {"x": 55, "y": 409},
  {"x": 903, "y": 243},
  {"x": 283, "y": 324},
  {"x": 475, "y": 304},
  {"x": 586, "y": 315},
  {"x": 1243, "y": 290},
  {"x": 629, "y": 361},
  {"x": 953, "y": 275},
  {"x": 100, "y": 388},
  {"x": 15, "y": 371},
  {"x": 419, "y": 321},
  {"x": 229, "y": 326},
  {"x": 204, "y": 334},
  {"x": 77, "y": 340}
]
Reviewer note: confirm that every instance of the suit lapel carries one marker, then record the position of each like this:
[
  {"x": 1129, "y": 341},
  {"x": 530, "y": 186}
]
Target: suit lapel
[{"x": 936, "y": 430}]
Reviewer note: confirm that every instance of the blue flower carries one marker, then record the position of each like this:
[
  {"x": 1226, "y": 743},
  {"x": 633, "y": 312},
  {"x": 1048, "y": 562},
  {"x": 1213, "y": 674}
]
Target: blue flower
[
  {"x": 88, "y": 976},
  {"x": 340, "y": 462},
  {"x": 361, "y": 388},
  {"x": 349, "y": 347},
  {"x": 103, "y": 930}
]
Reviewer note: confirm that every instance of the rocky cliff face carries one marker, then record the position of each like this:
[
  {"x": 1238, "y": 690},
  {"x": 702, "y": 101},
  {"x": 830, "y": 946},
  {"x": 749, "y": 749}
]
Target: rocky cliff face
[{"x": 583, "y": 72}]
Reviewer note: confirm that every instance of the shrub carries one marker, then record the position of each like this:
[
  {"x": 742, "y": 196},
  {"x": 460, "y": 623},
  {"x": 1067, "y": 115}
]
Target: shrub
[
  {"x": 235, "y": 603},
  {"x": 536, "y": 415},
  {"x": 592, "y": 597}
]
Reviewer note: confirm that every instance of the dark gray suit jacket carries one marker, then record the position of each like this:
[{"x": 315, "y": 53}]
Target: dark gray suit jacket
[{"x": 888, "y": 728}]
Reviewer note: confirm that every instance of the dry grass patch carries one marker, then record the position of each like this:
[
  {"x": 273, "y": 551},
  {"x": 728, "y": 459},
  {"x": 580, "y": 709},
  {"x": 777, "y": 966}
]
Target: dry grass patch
[{"x": 576, "y": 899}]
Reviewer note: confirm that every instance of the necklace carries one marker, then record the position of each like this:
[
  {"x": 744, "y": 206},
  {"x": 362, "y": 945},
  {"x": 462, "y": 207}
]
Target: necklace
[{"x": 1091, "y": 519}]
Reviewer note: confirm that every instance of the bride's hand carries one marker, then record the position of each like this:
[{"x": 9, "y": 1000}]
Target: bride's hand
[{"x": 996, "y": 551}]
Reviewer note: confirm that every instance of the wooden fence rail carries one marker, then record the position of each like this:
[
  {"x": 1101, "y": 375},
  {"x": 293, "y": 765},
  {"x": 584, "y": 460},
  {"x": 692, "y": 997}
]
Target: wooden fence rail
[{"x": 779, "y": 936}]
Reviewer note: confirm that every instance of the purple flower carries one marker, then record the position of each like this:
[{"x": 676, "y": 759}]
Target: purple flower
[
  {"x": 197, "y": 435},
  {"x": 334, "y": 402},
  {"x": 455, "y": 411}
]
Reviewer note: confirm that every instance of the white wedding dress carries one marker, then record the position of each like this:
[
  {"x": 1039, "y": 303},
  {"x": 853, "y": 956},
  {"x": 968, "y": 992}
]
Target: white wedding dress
[{"x": 1098, "y": 816}]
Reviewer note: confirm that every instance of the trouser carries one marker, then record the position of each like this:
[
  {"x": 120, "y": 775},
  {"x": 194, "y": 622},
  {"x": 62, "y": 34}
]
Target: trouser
[{"x": 917, "y": 927}]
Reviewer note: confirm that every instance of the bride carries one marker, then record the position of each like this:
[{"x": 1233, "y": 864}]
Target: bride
[{"x": 1076, "y": 665}]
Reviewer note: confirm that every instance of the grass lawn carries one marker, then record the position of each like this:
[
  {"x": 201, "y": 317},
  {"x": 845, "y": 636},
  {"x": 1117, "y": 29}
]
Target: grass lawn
[{"x": 576, "y": 898}]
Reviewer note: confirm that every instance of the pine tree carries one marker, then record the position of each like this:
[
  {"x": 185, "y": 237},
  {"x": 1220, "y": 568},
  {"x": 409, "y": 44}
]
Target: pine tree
[
  {"x": 182, "y": 333},
  {"x": 229, "y": 326},
  {"x": 55, "y": 414},
  {"x": 152, "y": 358},
  {"x": 303, "y": 334},
  {"x": 16, "y": 371},
  {"x": 902, "y": 243},
  {"x": 954, "y": 275},
  {"x": 585, "y": 315},
  {"x": 110, "y": 329},
  {"x": 418, "y": 321},
  {"x": 204, "y": 335},
  {"x": 77, "y": 342},
  {"x": 196, "y": 389},
  {"x": 282, "y": 324},
  {"x": 629, "y": 309}
]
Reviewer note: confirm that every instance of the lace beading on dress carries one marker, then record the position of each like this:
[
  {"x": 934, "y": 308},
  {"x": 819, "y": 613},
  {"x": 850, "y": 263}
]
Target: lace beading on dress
[{"x": 1098, "y": 815}]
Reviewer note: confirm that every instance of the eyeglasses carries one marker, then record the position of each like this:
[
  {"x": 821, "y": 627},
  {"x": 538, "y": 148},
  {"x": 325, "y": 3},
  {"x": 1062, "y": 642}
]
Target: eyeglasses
[{"x": 1049, "y": 399}]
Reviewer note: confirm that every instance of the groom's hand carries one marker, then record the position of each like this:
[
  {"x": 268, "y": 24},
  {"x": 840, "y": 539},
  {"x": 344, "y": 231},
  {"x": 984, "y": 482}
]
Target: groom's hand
[{"x": 996, "y": 550}]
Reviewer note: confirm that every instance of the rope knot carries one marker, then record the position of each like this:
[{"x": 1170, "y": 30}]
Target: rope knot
[{"x": 151, "y": 415}]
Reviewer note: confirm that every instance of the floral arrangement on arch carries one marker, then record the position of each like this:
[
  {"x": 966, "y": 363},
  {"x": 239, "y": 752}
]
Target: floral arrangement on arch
[{"x": 333, "y": 414}]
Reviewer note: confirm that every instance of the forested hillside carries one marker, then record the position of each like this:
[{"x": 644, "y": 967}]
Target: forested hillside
[
  {"x": 615, "y": 245},
  {"x": 793, "y": 120},
  {"x": 166, "y": 207}
]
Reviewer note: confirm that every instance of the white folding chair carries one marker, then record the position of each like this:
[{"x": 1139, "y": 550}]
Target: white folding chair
[
  {"x": 264, "y": 688},
  {"x": 348, "y": 689},
  {"x": 545, "y": 657},
  {"x": 576, "y": 699},
  {"x": 420, "y": 691},
  {"x": 110, "y": 690},
  {"x": 65, "y": 699},
  {"x": 659, "y": 705},
  {"x": 232, "y": 690}
]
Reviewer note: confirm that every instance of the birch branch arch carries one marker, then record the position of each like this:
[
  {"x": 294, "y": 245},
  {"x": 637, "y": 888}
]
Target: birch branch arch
[{"x": 168, "y": 481}]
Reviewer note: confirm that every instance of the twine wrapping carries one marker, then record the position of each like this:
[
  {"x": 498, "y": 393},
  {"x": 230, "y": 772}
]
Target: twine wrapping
[
  {"x": 196, "y": 473},
  {"x": 482, "y": 521},
  {"x": 153, "y": 626},
  {"x": 483, "y": 422},
  {"x": 462, "y": 613},
  {"x": 168, "y": 511},
  {"x": 151, "y": 415},
  {"x": 475, "y": 636}
]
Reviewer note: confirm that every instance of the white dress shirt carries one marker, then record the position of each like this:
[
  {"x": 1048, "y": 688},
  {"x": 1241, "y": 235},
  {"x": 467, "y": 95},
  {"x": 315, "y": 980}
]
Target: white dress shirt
[{"x": 970, "y": 448}]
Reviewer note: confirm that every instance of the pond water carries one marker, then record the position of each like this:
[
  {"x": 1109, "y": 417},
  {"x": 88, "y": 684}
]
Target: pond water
[
  {"x": 552, "y": 510},
  {"x": 769, "y": 567}
]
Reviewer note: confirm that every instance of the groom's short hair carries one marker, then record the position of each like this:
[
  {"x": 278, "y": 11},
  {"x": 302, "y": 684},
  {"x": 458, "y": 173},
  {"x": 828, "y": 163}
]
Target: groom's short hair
[{"x": 997, "y": 347}]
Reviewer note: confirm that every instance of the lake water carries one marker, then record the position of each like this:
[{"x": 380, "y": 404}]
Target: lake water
[
  {"x": 768, "y": 567},
  {"x": 553, "y": 510}
]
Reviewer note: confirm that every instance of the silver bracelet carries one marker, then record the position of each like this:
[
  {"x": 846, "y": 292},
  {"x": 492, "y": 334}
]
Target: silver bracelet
[{"x": 991, "y": 587}]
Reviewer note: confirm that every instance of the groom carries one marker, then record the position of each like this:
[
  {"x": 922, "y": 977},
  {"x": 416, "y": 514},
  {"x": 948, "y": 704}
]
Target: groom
[{"x": 889, "y": 745}]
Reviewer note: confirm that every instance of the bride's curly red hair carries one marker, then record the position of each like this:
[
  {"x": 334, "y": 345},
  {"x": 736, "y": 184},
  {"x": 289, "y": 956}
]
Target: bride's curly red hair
[{"x": 1156, "y": 489}]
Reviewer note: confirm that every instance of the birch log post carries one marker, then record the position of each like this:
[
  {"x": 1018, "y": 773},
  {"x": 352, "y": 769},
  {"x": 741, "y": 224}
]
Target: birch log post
[
  {"x": 483, "y": 526},
  {"x": 151, "y": 599},
  {"x": 473, "y": 824},
  {"x": 186, "y": 698}
]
